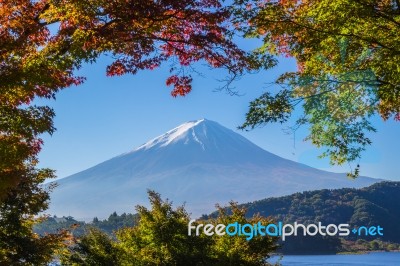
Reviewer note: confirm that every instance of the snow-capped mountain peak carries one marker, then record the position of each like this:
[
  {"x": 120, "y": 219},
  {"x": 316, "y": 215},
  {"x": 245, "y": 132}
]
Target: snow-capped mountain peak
[
  {"x": 199, "y": 162},
  {"x": 173, "y": 135}
]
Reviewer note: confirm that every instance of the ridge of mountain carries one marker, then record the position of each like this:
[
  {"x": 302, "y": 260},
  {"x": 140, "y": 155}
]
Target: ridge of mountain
[{"x": 199, "y": 162}]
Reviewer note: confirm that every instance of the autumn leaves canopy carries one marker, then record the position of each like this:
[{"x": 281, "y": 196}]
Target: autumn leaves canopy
[
  {"x": 43, "y": 42},
  {"x": 347, "y": 52}
]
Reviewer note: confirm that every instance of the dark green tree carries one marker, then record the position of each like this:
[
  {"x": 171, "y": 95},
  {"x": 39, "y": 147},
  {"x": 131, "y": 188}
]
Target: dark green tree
[
  {"x": 237, "y": 250},
  {"x": 161, "y": 238},
  {"x": 96, "y": 248},
  {"x": 19, "y": 245}
]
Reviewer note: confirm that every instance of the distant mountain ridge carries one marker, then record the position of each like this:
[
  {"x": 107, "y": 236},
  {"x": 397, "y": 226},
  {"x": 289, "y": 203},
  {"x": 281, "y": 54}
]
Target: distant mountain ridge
[
  {"x": 378, "y": 204},
  {"x": 199, "y": 162}
]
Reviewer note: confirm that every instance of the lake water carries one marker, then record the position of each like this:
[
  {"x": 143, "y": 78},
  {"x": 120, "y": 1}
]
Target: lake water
[{"x": 371, "y": 259}]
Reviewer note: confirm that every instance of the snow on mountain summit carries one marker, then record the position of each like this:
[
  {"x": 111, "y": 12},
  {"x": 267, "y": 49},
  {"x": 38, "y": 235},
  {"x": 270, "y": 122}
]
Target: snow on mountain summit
[
  {"x": 199, "y": 162},
  {"x": 174, "y": 135}
]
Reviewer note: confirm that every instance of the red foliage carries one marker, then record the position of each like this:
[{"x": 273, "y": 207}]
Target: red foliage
[
  {"x": 182, "y": 85},
  {"x": 116, "y": 68},
  {"x": 141, "y": 34},
  {"x": 42, "y": 44}
]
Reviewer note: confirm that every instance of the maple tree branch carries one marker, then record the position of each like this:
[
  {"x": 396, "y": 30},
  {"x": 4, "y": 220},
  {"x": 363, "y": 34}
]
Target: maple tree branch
[
  {"x": 380, "y": 13},
  {"x": 37, "y": 18},
  {"x": 372, "y": 41}
]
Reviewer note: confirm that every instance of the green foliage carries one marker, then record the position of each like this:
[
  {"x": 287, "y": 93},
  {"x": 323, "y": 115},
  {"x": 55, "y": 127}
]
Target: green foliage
[
  {"x": 375, "y": 205},
  {"x": 347, "y": 54},
  {"x": 115, "y": 222},
  {"x": 363, "y": 246},
  {"x": 19, "y": 245},
  {"x": 236, "y": 250},
  {"x": 94, "y": 249},
  {"x": 52, "y": 225},
  {"x": 161, "y": 238},
  {"x": 269, "y": 109},
  {"x": 378, "y": 204}
]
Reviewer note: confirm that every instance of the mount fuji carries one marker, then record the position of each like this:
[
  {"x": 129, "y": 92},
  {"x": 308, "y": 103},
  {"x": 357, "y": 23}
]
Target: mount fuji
[{"x": 199, "y": 163}]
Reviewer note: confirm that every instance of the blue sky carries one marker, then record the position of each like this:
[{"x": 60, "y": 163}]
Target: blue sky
[{"x": 106, "y": 116}]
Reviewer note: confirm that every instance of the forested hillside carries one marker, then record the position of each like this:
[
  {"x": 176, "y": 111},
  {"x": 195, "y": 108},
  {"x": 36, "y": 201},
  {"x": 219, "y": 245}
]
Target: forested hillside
[{"x": 376, "y": 205}]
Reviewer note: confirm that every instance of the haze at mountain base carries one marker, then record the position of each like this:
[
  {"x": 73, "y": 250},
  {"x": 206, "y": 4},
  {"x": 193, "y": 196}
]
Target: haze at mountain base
[{"x": 199, "y": 163}]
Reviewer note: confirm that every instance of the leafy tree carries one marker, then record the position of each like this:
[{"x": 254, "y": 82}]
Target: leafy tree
[
  {"x": 236, "y": 250},
  {"x": 347, "y": 52},
  {"x": 161, "y": 238},
  {"x": 54, "y": 225},
  {"x": 374, "y": 245},
  {"x": 19, "y": 245},
  {"x": 44, "y": 41},
  {"x": 95, "y": 248},
  {"x": 27, "y": 70}
]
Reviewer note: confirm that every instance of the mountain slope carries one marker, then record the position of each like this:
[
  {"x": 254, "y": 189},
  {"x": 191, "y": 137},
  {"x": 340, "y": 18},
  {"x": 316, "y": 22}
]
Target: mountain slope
[
  {"x": 200, "y": 163},
  {"x": 378, "y": 204}
]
